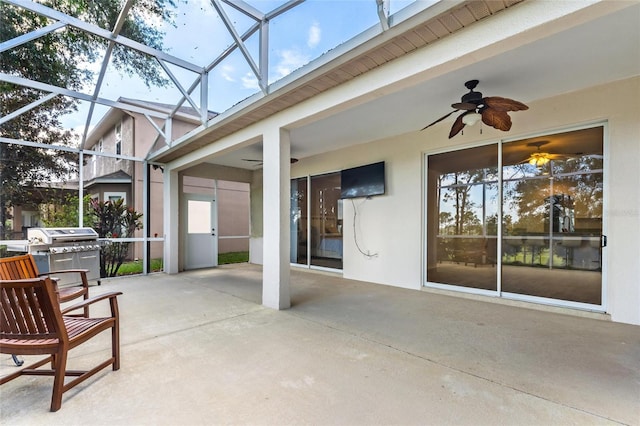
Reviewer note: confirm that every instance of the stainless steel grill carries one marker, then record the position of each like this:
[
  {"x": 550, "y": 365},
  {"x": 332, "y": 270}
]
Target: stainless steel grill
[{"x": 55, "y": 249}]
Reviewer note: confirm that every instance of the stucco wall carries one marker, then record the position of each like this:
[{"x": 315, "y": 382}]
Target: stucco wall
[
  {"x": 392, "y": 225},
  {"x": 233, "y": 216}
]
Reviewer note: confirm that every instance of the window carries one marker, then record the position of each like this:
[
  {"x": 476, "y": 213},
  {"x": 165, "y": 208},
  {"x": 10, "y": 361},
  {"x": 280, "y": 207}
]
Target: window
[
  {"x": 119, "y": 139},
  {"x": 115, "y": 196}
]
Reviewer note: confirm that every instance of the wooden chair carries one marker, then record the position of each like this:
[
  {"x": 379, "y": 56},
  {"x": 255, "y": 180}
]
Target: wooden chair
[
  {"x": 24, "y": 266},
  {"x": 32, "y": 323}
]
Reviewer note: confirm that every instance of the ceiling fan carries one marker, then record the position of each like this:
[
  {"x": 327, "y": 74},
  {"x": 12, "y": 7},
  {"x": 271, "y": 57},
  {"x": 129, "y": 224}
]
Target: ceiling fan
[
  {"x": 259, "y": 162},
  {"x": 491, "y": 109}
]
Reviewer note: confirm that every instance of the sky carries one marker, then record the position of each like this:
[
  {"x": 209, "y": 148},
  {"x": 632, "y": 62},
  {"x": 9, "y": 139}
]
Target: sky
[{"x": 296, "y": 37}]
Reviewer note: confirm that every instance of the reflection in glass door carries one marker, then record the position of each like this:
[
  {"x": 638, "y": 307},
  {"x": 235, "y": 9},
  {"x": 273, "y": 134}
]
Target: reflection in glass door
[
  {"x": 552, "y": 217},
  {"x": 299, "y": 221},
  {"x": 550, "y": 207},
  {"x": 316, "y": 221},
  {"x": 463, "y": 217}
]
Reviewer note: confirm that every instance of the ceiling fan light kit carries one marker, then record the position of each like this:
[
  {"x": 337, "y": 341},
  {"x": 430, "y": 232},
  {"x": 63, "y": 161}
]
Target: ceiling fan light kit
[
  {"x": 539, "y": 159},
  {"x": 492, "y": 110},
  {"x": 471, "y": 119}
]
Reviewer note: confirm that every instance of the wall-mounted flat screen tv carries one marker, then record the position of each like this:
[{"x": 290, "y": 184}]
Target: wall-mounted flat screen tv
[{"x": 363, "y": 181}]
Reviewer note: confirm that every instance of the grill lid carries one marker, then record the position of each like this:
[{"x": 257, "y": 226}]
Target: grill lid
[{"x": 53, "y": 235}]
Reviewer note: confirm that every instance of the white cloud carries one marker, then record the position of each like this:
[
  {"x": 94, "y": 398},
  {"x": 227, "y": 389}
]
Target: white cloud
[
  {"x": 226, "y": 71},
  {"x": 249, "y": 81},
  {"x": 314, "y": 35},
  {"x": 290, "y": 60}
]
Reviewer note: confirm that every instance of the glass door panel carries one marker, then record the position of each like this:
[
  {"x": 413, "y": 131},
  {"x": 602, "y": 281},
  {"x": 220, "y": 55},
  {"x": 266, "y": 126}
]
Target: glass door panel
[
  {"x": 462, "y": 199},
  {"x": 325, "y": 244},
  {"x": 316, "y": 221},
  {"x": 552, "y": 217},
  {"x": 299, "y": 221}
]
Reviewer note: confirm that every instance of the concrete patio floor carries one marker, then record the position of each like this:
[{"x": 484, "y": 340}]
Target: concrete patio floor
[{"x": 198, "y": 348}]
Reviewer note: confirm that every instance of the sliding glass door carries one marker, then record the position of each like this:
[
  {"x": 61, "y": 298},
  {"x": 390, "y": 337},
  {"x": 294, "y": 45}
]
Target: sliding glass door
[
  {"x": 316, "y": 221},
  {"x": 552, "y": 217},
  {"x": 548, "y": 198},
  {"x": 462, "y": 218}
]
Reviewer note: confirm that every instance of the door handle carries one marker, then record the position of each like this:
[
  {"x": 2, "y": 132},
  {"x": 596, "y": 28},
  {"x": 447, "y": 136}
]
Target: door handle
[{"x": 603, "y": 240}]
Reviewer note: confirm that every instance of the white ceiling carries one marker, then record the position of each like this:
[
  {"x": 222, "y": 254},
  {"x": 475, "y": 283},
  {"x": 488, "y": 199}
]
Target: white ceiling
[{"x": 600, "y": 51}]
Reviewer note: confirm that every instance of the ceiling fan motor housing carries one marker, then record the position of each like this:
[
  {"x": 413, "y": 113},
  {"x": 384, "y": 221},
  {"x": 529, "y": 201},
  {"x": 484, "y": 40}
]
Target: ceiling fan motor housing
[{"x": 472, "y": 97}]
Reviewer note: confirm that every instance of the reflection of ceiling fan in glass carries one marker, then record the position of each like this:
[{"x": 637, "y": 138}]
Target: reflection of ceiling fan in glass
[{"x": 540, "y": 158}]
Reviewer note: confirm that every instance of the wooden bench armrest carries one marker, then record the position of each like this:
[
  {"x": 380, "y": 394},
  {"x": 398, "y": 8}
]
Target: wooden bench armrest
[
  {"x": 23, "y": 280},
  {"x": 111, "y": 296}
]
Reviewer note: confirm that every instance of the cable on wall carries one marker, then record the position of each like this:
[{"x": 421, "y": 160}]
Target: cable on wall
[{"x": 368, "y": 254}]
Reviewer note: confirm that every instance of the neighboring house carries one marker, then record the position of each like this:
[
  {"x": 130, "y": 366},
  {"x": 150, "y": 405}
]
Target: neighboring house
[
  {"x": 108, "y": 178},
  {"x": 474, "y": 214}
]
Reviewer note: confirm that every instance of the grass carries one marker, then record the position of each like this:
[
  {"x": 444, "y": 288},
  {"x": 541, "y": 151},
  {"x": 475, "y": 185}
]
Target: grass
[
  {"x": 131, "y": 268},
  {"x": 233, "y": 257},
  {"x": 135, "y": 267}
]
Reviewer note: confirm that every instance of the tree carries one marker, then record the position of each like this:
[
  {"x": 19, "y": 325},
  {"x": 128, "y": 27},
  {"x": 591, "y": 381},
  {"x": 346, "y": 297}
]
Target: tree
[
  {"x": 112, "y": 219},
  {"x": 55, "y": 59},
  {"x": 65, "y": 212}
]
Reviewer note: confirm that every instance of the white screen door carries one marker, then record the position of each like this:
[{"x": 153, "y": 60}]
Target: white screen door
[{"x": 201, "y": 245}]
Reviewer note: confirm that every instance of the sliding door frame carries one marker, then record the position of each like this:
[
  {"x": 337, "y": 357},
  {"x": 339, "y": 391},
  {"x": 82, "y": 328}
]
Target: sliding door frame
[{"x": 499, "y": 292}]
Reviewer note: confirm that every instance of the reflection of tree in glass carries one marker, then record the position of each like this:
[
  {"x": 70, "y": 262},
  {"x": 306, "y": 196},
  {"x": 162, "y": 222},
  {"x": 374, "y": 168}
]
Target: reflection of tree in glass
[
  {"x": 529, "y": 196},
  {"x": 579, "y": 178},
  {"x": 585, "y": 186},
  {"x": 462, "y": 220},
  {"x": 446, "y": 223}
]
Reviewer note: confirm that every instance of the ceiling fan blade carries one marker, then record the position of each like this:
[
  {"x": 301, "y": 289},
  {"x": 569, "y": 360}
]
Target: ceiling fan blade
[
  {"x": 458, "y": 125},
  {"x": 561, "y": 156},
  {"x": 503, "y": 104},
  {"x": 466, "y": 106},
  {"x": 496, "y": 119},
  {"x": 439, "y": 120},
  {"x": 293, "y": 160}
]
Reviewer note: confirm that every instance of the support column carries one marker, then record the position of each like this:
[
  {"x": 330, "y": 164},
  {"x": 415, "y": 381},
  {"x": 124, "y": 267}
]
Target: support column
[
  {"x": 276, "y": 192},
  {"x": 171, "y": 201}
]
